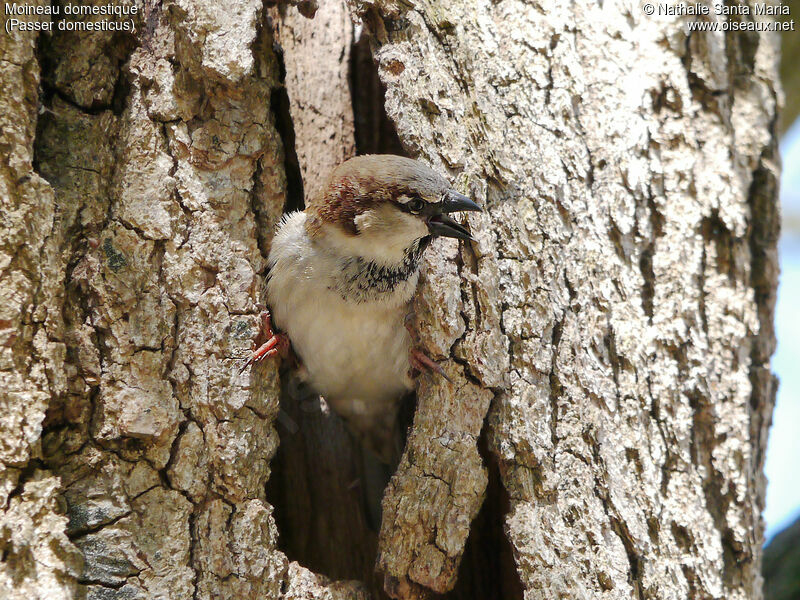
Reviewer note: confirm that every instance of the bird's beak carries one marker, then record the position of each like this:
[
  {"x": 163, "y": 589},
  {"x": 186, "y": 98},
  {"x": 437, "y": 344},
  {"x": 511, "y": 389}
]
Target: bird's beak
[{"x": 440, "y": 224}]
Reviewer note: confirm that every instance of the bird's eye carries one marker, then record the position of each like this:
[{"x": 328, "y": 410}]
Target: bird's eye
[{"x": 415, "y": 205}]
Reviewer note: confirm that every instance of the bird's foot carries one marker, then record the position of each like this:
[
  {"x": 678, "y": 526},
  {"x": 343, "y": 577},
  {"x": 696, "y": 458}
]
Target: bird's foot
[
  {"x": 267, "y": 342},
  {"x": 422, "y": 363}
]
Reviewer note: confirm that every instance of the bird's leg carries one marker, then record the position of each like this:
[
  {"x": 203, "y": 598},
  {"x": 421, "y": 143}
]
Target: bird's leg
[
  {"x": 421, "y": 362},
  {"x": 417, "y": 357},
  {"x": 268, "y": 342}
]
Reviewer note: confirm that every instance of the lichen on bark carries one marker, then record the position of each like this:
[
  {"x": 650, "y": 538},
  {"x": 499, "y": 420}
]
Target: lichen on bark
[
  {"x": 155, "y": 179},
  {"x": 630, "y": 255}
]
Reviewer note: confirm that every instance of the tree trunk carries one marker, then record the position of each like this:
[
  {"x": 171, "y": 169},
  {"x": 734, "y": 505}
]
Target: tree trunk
[{"x": 607, "y": 336}]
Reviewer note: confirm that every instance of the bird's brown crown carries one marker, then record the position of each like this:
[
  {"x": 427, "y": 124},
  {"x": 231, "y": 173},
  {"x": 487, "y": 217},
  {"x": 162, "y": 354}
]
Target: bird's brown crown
[{"x": 364, "y": 182}]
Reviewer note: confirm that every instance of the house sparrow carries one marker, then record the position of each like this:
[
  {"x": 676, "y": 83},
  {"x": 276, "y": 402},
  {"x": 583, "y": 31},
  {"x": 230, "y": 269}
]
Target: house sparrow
[{"x": 342, "y": 274}]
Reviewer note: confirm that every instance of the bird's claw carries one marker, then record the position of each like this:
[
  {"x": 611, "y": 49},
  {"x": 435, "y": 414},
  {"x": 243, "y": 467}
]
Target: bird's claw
[
  {"x": 276, "y": 343},
  {"x": 421, "y": 362}
]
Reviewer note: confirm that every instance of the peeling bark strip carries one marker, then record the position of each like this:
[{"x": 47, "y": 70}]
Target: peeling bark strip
[
  {"x": 614, "y": 318},
  {"x": 626, "y": 270}
]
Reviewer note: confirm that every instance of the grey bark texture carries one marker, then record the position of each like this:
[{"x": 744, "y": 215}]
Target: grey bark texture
[{"x": 607, "y": 336}]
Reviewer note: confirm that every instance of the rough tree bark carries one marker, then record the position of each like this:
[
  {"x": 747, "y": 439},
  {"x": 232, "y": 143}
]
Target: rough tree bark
[{"x": 608, "y": 335}]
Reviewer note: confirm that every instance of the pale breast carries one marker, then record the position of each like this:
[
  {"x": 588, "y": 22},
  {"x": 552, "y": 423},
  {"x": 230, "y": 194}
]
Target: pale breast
[
  {"x": 355, "y": 354},
  {"x": 350, "y": 353}
]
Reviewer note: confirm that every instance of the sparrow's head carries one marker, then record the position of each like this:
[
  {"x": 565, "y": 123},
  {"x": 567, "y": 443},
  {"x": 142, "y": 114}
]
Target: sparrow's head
[{"x": 379, "y": 206}]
